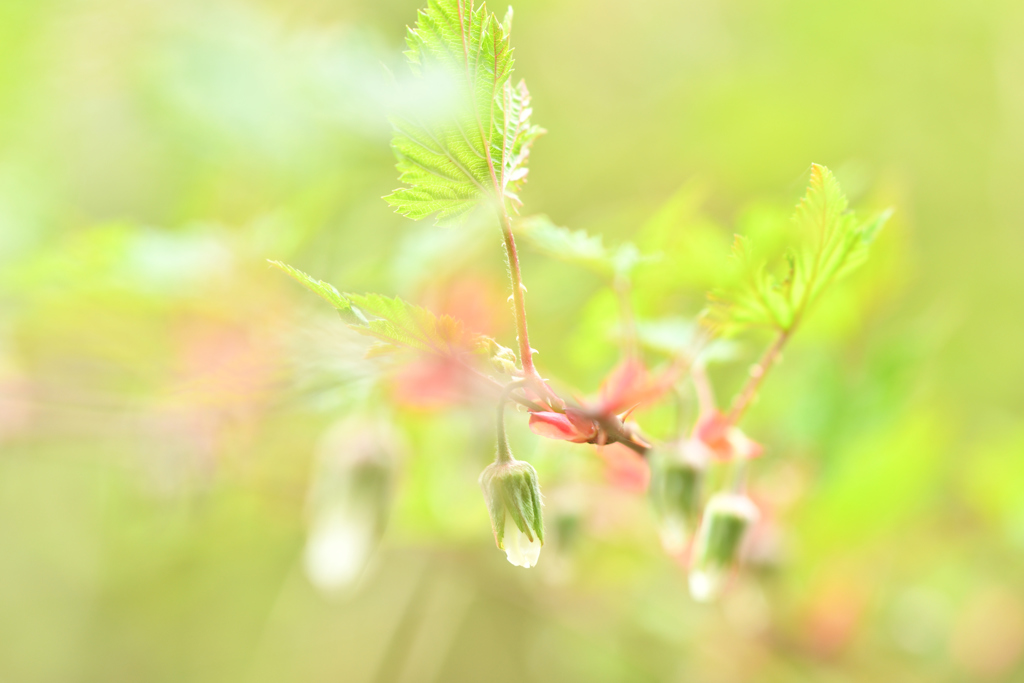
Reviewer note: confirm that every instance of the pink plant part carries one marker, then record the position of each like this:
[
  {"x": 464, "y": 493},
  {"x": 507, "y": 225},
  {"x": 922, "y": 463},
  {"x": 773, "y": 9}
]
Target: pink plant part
[
  {"x": 715, "y": 431},
  {"x": 601, "y": 421},
  {"x": 430, "y": 383},
  {"x": 446, "y": 179},
  {"x": 572, "y": 425},
  {"x": 629, "y": 385},
  {"x": 624, "y": 468}
]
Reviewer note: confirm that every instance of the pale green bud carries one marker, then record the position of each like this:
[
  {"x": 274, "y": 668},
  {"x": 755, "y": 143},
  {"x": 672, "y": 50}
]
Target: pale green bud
[
  {"x": 348, "y": 500},
  {"x": 677, "y": 483},
  {"x": 727, "y": 520},
  {"x": 513, "y": 501}
]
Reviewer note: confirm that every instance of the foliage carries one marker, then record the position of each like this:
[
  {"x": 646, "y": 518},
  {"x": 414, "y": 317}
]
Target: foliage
[
  {"x": 477, "y": 151},
  {"x": 325, "y": 290},
  {"x": 158, "y": 419},
  {"x": 580, "y": 247},
  {"x": 833, "y": 242},
  {"x": 398, "y": 325}
]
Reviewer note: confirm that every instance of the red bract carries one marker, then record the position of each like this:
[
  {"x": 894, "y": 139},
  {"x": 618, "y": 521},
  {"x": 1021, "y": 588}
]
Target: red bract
[
  {"x": 724, "y": 440},
  {"x": 571, "y": 426},
  {"x": 711, "y": 430},
  {"x": 629, "y": 385}
]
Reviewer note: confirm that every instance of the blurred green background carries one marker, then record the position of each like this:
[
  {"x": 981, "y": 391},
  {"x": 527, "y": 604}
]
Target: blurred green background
[{"x": 163, "y": 392}]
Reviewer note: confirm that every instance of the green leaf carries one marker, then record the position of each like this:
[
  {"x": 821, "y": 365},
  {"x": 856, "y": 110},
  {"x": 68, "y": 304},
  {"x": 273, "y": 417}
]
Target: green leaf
[
  {"x": 677, "y": 335},
  {"x": 397, "y": 324},
  {"x": 478, "y": 151},
  {"x": 577, "y": 246},
  {"x": 833, "y": 243},
  {"x": 323, "y": 289}
]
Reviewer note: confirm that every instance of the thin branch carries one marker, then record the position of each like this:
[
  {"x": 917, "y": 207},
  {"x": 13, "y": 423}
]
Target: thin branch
[
  {"x": 504, "y": 454},
  {"x": 705, "y": 394},
  {"x": 757, "y": 374},
  {"x": 518, "y": 298},
  {"x": 490, "y": 381}
]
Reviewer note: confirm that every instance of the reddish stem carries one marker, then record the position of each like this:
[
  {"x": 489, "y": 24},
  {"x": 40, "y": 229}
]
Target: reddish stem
[
  {"x": 757, "y": 375},
  {"x": 518, "y": 299}
]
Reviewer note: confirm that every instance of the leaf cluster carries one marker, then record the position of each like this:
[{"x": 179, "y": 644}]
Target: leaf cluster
[
  {"x": 578, "y": 246},
  {"x": 833, "y": 242},
  {"x": 397, "y": 325},
  {"x": 477, "y": 152}
]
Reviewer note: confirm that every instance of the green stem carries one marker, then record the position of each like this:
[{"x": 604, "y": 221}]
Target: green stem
[
  {"x": 504, "y": 452},
  {"x": 758, "y": 371}
]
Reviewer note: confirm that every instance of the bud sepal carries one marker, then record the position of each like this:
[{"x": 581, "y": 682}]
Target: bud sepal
[
  {"x": 727, "y": 519},
  {"x": 513, "y": 500},
  {"x": 676, "y": 491}
]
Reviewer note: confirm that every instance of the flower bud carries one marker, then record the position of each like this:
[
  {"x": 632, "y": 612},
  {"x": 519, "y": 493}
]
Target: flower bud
[
  {"x": 348, "y": 501},
  {"x": 513, "y": 501},
  {"x": 727, "y": 519},
  {"x": 676, "y": 487}
]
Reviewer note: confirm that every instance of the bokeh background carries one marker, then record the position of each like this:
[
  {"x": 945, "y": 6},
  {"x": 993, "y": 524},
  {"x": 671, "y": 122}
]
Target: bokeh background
[{"x": 168, "y": 401}]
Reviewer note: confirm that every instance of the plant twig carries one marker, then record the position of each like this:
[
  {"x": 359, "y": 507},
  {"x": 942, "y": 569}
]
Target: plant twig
[
  {"x": 504, "y": 454},
  {"x": 490, "y": 381},
  {"x": 705, "y": 394},
  {"x": 757, "y": 374},
  {"x": 518, "y": 297}
]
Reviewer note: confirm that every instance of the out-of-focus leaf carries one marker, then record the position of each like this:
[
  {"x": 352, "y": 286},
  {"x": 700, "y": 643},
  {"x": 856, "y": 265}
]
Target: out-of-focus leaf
[
  {"x": 678, "y": 335},
  {"x": 397, "y": 324},
  {"x": 836, "y": 242},
  {"x": 578, "y": 246},
  {"x": 324, "y": 290}
]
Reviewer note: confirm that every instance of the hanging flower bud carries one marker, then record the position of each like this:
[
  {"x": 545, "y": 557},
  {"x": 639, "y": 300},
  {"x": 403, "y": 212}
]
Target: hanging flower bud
[
  {"x": 348, "y": 501},
  {"x": 513, "y": 501},
  {"x": 676, "y": 487},
  {"x": 727, "y": 519}
]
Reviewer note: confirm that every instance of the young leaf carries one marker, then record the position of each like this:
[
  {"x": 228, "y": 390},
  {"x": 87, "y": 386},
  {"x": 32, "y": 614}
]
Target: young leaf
[
  {"x": 580, "y": 247},
  {"x": 478, "y": 152},
  {"x": 834, "y": 243},
  {"x": 397, "y": 324},
  {"x": 323, "y": 289},
  {"x": 677, "y": 335}
]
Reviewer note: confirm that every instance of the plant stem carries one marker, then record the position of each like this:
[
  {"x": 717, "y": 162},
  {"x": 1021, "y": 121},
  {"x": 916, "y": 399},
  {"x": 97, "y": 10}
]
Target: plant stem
[
  {"x": 497, "y": 173},
  {"x": 705, "y": 394},
  {"x": 495, "y": 384},
  {"x": 504, "y": 452},
  {"x": 757, "y": 375},
  {"x": 518, "y": 298}
]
